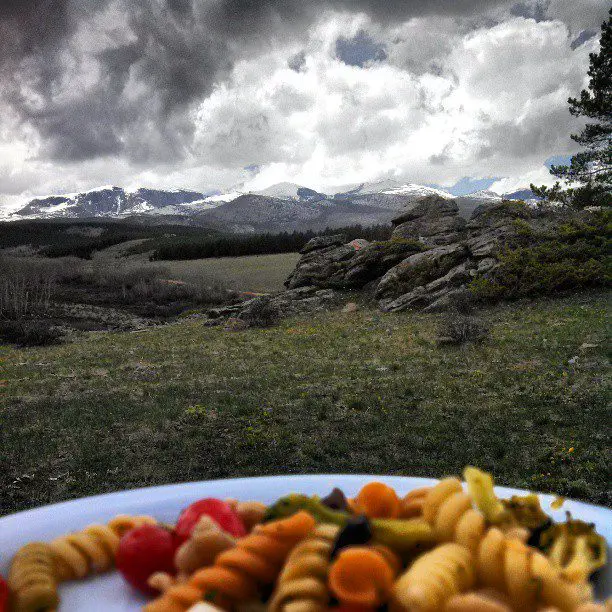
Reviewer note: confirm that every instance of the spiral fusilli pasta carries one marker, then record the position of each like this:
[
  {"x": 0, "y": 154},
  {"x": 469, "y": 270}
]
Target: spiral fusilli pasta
[
  {"x": 434, "y": 577},
  {"x": 122, "y": 523},
  {"x": 250, "y": 512},
  {"x": 450, "y": 513},
  {"x": 93, "y": 549},
  {"x": 31, "y": 579},
  {"x": 302, "y": 584},
  {"x": 256, "y": 560},
  {"x": 525, "y": 575}
]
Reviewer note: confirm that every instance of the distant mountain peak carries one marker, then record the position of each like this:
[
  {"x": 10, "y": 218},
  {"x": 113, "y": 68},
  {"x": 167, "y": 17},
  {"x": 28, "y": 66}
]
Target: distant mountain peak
[{"x": 115, "y": 202}]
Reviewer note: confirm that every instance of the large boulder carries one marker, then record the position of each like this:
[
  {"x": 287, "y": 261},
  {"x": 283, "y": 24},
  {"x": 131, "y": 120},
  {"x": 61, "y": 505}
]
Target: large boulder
[
  {"x": 432, "y": 232},
  {"x": 323, "y": 242},
  {"x": 373, "y": 261},
  {"x": 434, "y": 221},
  {"x": 436, "y": 295},
  {"x": 419, "y": 270},
  {"x": 432, "y": 206},
  {"x": 492, "y": 225},
  {"x": 323, "y": 262}
]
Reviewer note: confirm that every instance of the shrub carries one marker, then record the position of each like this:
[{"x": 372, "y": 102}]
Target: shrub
[
  {"x": 26, "y": 286},
  {"x": 29, "y": 333},
  {"x": 457, "y": 328},
  {"x": 574, "y": 255},
  {"x": 261, "y": 312}
]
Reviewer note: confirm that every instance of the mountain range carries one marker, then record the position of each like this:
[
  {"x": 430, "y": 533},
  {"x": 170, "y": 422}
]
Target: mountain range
[{"x": 280, "y": 207}]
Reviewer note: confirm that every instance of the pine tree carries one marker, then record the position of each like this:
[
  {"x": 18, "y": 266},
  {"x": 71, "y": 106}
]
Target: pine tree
[{"x": 590, "y": 171}]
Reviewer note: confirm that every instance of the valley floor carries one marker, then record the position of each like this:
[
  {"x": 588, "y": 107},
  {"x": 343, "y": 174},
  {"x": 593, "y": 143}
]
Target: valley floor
[
  {"x": 259, "y": 273},
  {"x": 336, "y": 392}
]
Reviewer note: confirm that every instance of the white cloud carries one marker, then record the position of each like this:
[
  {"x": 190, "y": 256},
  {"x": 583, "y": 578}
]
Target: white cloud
[
  {"x": 450, "y": 101},
  {"x": 539, "y": 176}
]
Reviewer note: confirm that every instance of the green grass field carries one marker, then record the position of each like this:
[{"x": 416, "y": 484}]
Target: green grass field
[
  {"x": 334, "y": 392},
  {"x": 260, "y": 273}
]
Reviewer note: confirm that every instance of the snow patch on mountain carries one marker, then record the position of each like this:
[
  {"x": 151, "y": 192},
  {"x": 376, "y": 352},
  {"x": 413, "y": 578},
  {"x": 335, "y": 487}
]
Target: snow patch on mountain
[{"x": 411, "y": 189}]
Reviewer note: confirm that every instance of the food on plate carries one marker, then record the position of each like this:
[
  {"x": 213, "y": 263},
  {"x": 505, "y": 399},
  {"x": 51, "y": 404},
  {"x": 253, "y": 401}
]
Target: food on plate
[
  {"x": 435, "y": 577},
  {"x": 218, "y": 510},
  {"x": 4, "y": 593},
  {"x": 31, "y": 580},
  {"x": 452, "y": 547},
  {"x": 237, "y": 573},
  {"x": 93, "y": 549},
  {"x": 361, "y": 576},
  {"x": 144, "y": 551},
  {"x": 303, "y": 581}
]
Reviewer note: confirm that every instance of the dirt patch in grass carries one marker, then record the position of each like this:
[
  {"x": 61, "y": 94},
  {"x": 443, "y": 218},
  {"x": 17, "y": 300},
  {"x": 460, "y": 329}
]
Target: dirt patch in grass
[{"x": 368, "y": 392}]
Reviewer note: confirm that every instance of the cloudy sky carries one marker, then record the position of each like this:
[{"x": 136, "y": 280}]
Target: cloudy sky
[{"x": 208, "y": 94}]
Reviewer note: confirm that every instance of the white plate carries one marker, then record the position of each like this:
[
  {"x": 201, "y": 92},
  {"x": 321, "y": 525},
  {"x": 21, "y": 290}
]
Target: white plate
[{"x": 109, "y": 593}]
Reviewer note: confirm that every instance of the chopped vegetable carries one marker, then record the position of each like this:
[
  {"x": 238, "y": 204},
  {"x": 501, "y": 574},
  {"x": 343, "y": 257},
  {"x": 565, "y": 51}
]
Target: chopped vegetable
[
  {"x": 480, "y": 488},
  {"x": 144, "y": 551},
  {"x": 221, "y": 512},
  {"x": 525, "y": 511},
  {"x": 402, "y": 535},
  {"x": 336, "y": 500},
  {"x": 3, "y": 595},
  {"x": 556, "y": 503},
  {"x": 377, "y": 500},
  {"x": 518, "y": 511},
  {"x": 356, "y": 532},
  {"x": 575, "y": 548},
  {"x": 361, "y": 576}
]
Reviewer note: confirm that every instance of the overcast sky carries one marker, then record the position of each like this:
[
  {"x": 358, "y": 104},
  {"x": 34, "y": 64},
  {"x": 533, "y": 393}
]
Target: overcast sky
[{"x": 208, "y": 94}]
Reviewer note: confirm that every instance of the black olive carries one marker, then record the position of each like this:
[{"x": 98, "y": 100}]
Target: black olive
[
  {"x": 336, "y": 500},
  {"x": 356, "y": 532},
  {"x": 536, "y": 534}
]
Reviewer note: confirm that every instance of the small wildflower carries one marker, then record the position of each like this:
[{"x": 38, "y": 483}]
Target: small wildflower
[{"x": 570, "y": 449}]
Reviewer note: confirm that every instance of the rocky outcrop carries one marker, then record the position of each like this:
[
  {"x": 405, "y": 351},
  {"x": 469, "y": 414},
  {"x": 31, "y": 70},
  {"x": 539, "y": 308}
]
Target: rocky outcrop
[
  {"x": 431, "y": 257},
  {"x": 428, "y": 263},
  {"x": 435, "y": 221},
  {"x": 420, "y": 269}
]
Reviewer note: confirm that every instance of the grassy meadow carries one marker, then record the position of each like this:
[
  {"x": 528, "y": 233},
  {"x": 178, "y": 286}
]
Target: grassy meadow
[
  {"x": 259, "y": 273},
  {"x": 332, "y": 392}
]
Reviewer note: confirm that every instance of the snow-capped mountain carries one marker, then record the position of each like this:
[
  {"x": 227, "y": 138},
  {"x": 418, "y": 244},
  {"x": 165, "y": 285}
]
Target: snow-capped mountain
[
  {"x": 280, "y": 207},
  {"x": 287, "y": 206},
  {"x": 116, "y": 202},
  {"x": 485, "y": 195}
]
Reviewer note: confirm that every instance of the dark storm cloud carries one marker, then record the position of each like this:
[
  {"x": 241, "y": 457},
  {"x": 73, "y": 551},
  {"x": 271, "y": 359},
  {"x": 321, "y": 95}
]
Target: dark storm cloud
[
  {"x": 534, "y": 10},
  {"x": 140, "y": 103}
]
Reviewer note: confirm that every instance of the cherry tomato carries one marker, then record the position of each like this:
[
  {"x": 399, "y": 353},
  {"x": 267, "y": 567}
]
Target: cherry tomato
[
  {"x": 218, "y": 510},
  {"x": 3, "y": 595},
  {"x": 143, "y": 551}
]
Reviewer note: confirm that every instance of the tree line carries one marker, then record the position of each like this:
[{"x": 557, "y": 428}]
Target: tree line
[{"x": 235, "y": 245}]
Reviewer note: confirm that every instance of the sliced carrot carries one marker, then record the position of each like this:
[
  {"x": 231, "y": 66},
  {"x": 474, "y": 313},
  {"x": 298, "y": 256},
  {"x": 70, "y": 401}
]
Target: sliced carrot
[
  {"x": 361, "y": 576},
  {"x": 392, "y": 559},
  {"x": 293, "y": 527},
  {"x": 377, "y": 500}
]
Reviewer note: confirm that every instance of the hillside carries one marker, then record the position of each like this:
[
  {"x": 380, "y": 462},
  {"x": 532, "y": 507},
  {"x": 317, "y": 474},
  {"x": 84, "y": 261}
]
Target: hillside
[{"x": 332, "y": 392}]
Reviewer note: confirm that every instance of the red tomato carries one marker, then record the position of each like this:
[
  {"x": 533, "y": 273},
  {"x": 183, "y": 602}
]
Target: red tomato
[
  {"x": 3, "y": 595},
  {"x": 218, "y": 510},
  {"x": 143, "y": 551}
]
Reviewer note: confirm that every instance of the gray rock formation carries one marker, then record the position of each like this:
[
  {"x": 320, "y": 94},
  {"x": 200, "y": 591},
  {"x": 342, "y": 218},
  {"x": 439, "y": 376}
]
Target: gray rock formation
[{"x": 431, "y": 257}]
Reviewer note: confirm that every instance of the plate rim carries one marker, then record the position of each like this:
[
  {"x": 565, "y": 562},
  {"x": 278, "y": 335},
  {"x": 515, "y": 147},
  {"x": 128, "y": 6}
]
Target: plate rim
[{"x": 176, "y": 486}]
